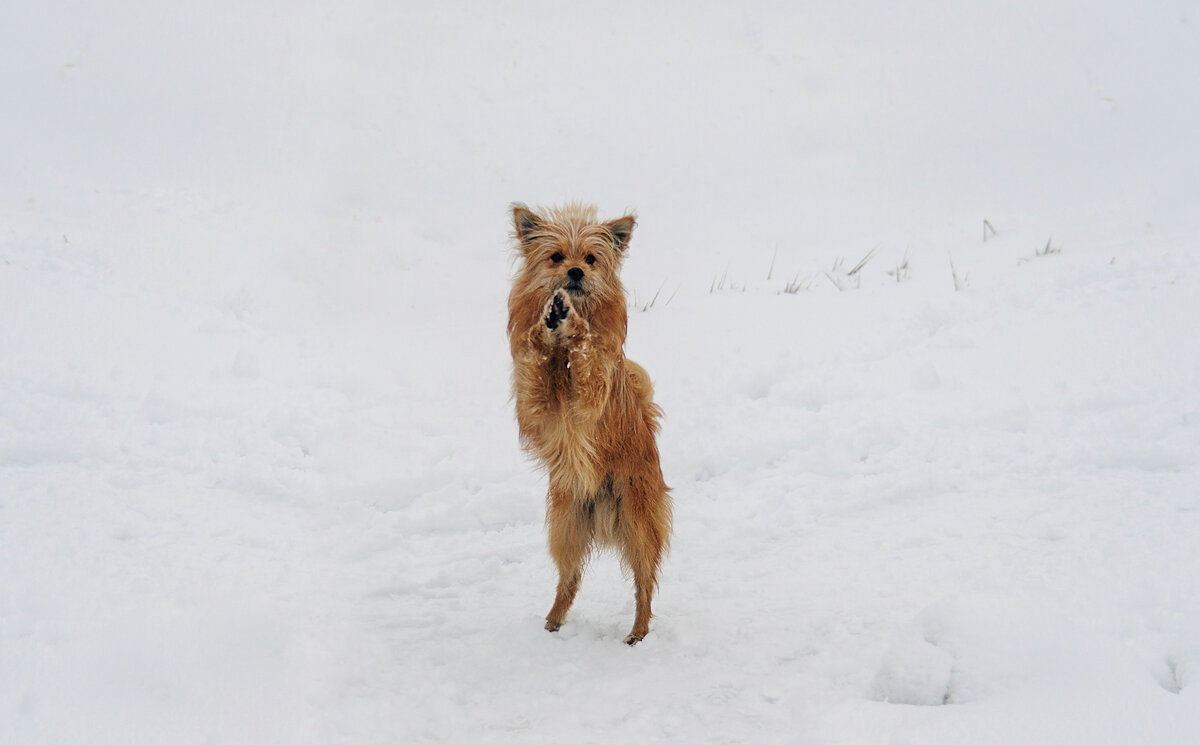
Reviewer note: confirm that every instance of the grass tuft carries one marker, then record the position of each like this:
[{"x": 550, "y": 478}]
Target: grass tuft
[
  {"x": 1047, "y": 250},
  {"x": 853, "y": 278},
  {"x": 723, "y": 282},
  {"x": 643, "y": 307},
  {"x": 796, "y": 286},
  {"x": 902, "y": 270}
]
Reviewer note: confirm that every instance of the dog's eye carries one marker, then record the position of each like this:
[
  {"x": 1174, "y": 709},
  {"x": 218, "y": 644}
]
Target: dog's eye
[
  {"x": 591, "y": 259},
  {"x": 557, "y": 258}
]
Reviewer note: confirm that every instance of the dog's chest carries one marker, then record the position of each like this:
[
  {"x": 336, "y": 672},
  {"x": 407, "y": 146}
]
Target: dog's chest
[
  {"x": 569, "y": 441},
  {"x": 558, "y": 370}
]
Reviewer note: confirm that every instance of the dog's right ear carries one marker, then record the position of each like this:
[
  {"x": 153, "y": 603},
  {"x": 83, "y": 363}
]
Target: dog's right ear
[{"x": 525, "y": 223}]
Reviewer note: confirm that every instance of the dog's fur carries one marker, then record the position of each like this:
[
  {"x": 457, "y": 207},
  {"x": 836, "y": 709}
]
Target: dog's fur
[{"x": 584, "y": 411}]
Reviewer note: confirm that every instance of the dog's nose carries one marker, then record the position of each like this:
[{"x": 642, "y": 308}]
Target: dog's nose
[{"x": 575, "y": 273}]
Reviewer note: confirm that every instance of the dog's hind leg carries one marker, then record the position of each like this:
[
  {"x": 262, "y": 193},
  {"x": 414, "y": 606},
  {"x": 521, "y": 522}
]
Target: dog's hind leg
[
  {"x": 643, "y": 552},
  {"x": 646, "y": 527},
  {"x": 644, "y": 582},
  {"x": 568, "y": 586},
  {"x": 570, "y": 544}
]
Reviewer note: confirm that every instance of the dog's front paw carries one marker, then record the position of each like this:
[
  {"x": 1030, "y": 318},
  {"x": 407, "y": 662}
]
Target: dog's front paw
[
  {"x": 563, "y": 324},
  {"x": 557, "y": 310}
]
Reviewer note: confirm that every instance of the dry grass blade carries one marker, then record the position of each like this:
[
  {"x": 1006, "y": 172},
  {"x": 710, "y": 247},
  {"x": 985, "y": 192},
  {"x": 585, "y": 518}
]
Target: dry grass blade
[
  {"x": 836, "y": 282},
  {"x": 959, "y": 283},
  {"x": 863, "y": 262}
]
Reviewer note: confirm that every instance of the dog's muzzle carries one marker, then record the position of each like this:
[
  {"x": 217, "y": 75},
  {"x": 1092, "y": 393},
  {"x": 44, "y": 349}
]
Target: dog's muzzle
[{"x": 574, "y": 280}]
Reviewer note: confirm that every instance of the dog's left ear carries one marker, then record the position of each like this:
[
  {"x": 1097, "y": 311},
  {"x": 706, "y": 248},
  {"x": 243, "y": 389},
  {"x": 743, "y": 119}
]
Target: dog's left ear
[{"x": 621, "y": 228}]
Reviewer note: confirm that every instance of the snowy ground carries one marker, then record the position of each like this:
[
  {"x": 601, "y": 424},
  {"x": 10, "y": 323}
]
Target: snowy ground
[{"x": 259, "y": 478}]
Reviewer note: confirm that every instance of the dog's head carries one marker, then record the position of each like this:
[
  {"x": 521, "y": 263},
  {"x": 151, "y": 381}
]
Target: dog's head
[{"x": 569, "y": 248}]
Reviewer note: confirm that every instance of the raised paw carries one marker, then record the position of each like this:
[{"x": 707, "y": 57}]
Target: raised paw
[{"x": 557, "y": 310}]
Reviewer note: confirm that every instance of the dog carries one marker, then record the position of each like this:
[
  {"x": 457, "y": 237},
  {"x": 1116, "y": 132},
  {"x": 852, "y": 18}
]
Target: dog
[{"x": 584, "y": 411}]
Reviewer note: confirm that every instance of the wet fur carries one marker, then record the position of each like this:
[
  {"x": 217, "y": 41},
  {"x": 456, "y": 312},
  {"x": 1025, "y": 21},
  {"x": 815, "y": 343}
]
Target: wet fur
[{"x": 584, "y": 411}]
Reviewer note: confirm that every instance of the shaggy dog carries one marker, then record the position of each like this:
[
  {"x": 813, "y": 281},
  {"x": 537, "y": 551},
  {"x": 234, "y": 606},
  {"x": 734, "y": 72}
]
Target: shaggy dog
[{"x": 584, "y": 411}]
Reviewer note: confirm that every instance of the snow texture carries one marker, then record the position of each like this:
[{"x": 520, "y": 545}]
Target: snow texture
[{"x": 259, "y": 474}]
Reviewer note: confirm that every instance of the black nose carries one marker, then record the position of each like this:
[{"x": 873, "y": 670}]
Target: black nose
[{"x": 575, "y": 273}]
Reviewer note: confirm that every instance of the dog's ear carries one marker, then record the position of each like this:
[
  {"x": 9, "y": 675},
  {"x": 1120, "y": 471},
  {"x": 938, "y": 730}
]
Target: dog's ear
[
  {"x": 621, "y": 229},
  {"x": 524, "y": 222}
]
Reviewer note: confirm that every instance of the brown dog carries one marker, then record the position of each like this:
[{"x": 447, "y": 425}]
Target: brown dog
[{"x": 584, "y": 411}]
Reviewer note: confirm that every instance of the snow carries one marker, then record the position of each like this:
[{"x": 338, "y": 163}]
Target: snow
[{"x": 259, "y": 474}]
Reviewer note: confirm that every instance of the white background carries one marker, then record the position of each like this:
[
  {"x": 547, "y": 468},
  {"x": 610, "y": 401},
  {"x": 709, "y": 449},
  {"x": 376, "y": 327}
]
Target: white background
[{"x": 259, "y": 477}]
